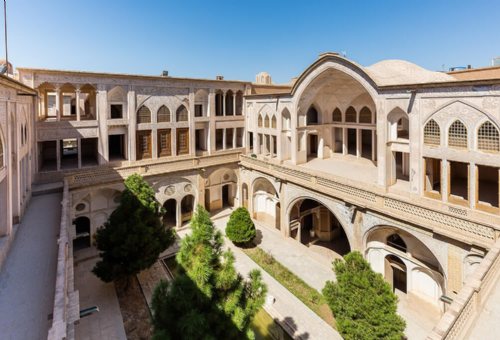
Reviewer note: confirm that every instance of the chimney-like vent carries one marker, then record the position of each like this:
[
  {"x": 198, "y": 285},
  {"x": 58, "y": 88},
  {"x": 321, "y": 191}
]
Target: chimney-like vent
[
  {"x": 219, "y": 77},
  {"x": 164, "y": 73}
]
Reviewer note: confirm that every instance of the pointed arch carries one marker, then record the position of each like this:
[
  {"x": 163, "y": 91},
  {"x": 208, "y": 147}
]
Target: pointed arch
[
  {"x": 488, "y": 137},
  {"x": 273, "y": 122},
  {"x": 432, "y": 133},
  {"x": 260, "y": 121},
  {"x": 163, "y": 114},
  {"x": 365, "y": 115},
  {"x": 350, "y": 115},
  {"x": 143, "y": 115},
  {"x": 337, "y": 115},
  {"x": 286, "y": 119},
  {"x": 312, "y": 116},
  {"x": 266, "y": 121},
  {"x": 181, "y": 115},
  {"x": 457, "y": 135}
]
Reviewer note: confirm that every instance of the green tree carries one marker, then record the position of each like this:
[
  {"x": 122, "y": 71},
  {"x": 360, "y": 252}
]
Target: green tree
[
  {"x": 240, "y": 227},
  {"x": 207, "y": 299},
  {"x": 363, "y": 304},
  {"x": 134, "y": 236}
]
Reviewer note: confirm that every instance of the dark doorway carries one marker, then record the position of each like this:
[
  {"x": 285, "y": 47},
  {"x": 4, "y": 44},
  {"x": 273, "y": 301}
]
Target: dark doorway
[
  {"x": 170, "y": 217},
  {"x": 396, "y": 273},
  {"x": 116, "y": 147},
  {"x": 313, "y": 146},
  {"x": 82, "y": 229},
  {"x": 226, "y": 196},
  {"x": 352, "y": 145}
]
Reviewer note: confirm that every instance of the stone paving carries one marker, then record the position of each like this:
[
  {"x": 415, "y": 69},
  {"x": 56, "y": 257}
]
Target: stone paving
[
  {"x": 108, "y": 322},
  {"x": 27, "y": 278}
]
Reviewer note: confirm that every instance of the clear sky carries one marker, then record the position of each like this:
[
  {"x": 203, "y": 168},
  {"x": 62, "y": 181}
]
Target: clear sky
[{"x": 238, "y": 39}]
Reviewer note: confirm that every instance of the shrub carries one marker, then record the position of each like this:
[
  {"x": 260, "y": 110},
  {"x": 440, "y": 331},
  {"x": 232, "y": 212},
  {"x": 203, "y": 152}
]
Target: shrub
[
  {"x": 240, "y": 228},
  {"x": 362, "y": 302}
]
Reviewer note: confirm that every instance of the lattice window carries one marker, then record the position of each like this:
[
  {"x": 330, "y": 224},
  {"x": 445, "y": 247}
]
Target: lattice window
[
  {"x": 163, "y": 114},
  {"x": 273, "y": 122},
  {"x": 260, "y": 121},
  {"x": 457, "y": 135},
  {"x": 432, "y": 133},
  {"x": 143, "y": 115},
  {"x": 1, "y": 154},
  {"x": 182, "y": 114},
  {"x": 365, "y": 115},
  {"x": 350, "y": 115},
  {"x": 488, "y": 137},
  {"x": 337, "y": 115},
  {"x": 266, "y": 122}
]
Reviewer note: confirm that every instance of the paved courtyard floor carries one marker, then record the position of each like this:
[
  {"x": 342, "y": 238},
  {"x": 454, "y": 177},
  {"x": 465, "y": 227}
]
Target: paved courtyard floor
[
  {"x": 107, "y": 323},
  {"x": 28, "y": 276}
]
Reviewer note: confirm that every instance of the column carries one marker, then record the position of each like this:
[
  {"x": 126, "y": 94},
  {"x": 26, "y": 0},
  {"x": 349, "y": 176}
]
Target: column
[
  {"x": 78, "y": 114},
  {"x": 445, "y": 165},
  {"x": 234, "y": 104},
  {"x": 132, "y": 126},
  {"x": 256, "y": 143},
  {"x": 234, "y": 138},
  {"x": 211, "y": 123},
  {"x": 224, "y": 139},
  {"x": 271, "y": 145},
  {"x": 174, "y": 141},
  {"x": 58, "y": 103},
  {"x": 192, "y": 127},
  {"x": 344, "y": 141},
  {"x": 374, "y": 146},
  {"x": 472, "y": 187},
  {"x": 178, "y": 214},
  {"x": 358, "y": 143},
  {"x": 224, "y": 103},
  {"x": 79, "y": 143},
  {"x": 102, "y": 116}
]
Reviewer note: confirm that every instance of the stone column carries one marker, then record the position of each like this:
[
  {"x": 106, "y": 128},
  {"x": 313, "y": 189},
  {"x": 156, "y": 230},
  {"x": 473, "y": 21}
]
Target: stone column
[
  {"x": 344, "y": 141},
  {"x": 79, "y": 143},
  {"x": 178, "y": 214},
  {"x": 211, "y": 124},
  {"x": 78, "y": 114},
  {"x": 224, "y": 103},
  {"x": 358, "y": 143},
  {"x": 224, "y": 139},
  {"x": 271, "y": 145},
  {"x": 234, "y": 104},
  {"x": 174, "y": 141},
  {"x": 192, "y": 127},
  {"x": 445, "y": 165},
  {"x": 374, "y": 145},
  {"x": 234, "y": 138},
  {"x": 58, "y": 103},
  {"x": 102, "y": 116},
  {"x": 256, "y": 143},
  {"x": 58, "y": 154},
  {"x": 472, "y": 187},
  {"x": 132, "y": 126}
]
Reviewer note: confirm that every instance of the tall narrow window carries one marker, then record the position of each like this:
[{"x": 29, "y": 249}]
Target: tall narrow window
[
  {"x": 350, "y": 115},
  {"x": 365, "y": 115},
  {"x": 488, "y": 138},
  {"x": 143, "y": 115},
  {"x": 273, "y": 122},
  {"x": 260, "y": 121},
  {"x": 457, "y": 135},
  {"x": 182, "y": 141},
  {"x": 182, "y": 114},
  {"x": 266, "y": 121},
  {"x": 312, "y": 116},
  {"x": 337, "y": 115},
  {"x": 432, "y": 133},
  {"x": 143, "y": 144},
  {"x": 164, "y": 143},
  {"x": 163, "y": 114}
]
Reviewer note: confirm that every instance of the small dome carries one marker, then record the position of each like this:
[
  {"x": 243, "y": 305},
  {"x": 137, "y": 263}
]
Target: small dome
[{"x": 399, "y": 72}]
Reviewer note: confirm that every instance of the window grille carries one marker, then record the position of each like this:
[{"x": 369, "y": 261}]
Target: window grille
[
  {"x": 182, "y": 114},
  {"x": 163, "y": 114},
  {"x": 144, "y": 115},
  {"x": 457, "y": 135},
  {"x": 488, "y": 137},
  {"x": 337, "y": 115},
  {"x": 432, "y": 133}
]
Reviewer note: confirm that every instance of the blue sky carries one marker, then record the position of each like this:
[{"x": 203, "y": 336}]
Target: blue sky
[{"x": 238, "y": 39}]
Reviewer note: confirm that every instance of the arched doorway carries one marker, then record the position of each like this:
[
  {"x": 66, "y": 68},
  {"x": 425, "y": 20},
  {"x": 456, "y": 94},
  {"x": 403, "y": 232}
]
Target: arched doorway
[
  {"x": 187, "y": 206},
  {"x": 265, "y": 203},
  {"x": 82, "y": 232},
  {"x": 227, "y": 200},
  {"x": 170, "y": 216},
  {"x": 395, "y": 273},
  {"x": 314, "y": 225}
]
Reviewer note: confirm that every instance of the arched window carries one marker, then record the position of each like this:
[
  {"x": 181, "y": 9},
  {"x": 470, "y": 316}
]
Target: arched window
[
  {"x": 163, "y": 114},
  {"x": 181, "y": 114},
  {"x": 1, "y": 154},
  {"x": 312, "y": 116},
  {"x": 397, "y": 242},
  {"x": 273, "y": 122},
  {"x": 143, "y": 115},
  {"x": 350, "y": 115},
  {"x": 337, "y": 115},
  {"x": 365, "y": 115},
  {"x": 266, "y": 121},
  {"x": 457, "y": 135},
  {"x": 488, "y": 137},
  {"x": 432, "y": 133},
  {"x": 286, "y": 120},
  {"x": 260, "y": 121}
]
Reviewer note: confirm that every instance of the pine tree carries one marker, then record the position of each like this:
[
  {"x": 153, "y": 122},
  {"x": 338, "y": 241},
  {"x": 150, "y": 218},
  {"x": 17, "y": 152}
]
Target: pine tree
[
  {"x": 208, "y": 299},
  {"x": 363, "y": 304},
  {"x": 240, "y": 227},
  {"x": 134, "y": 236}
]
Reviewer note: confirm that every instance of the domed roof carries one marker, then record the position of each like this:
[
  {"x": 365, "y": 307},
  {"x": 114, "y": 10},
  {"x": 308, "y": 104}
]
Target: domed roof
[{"x": 399, "y": 72}]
